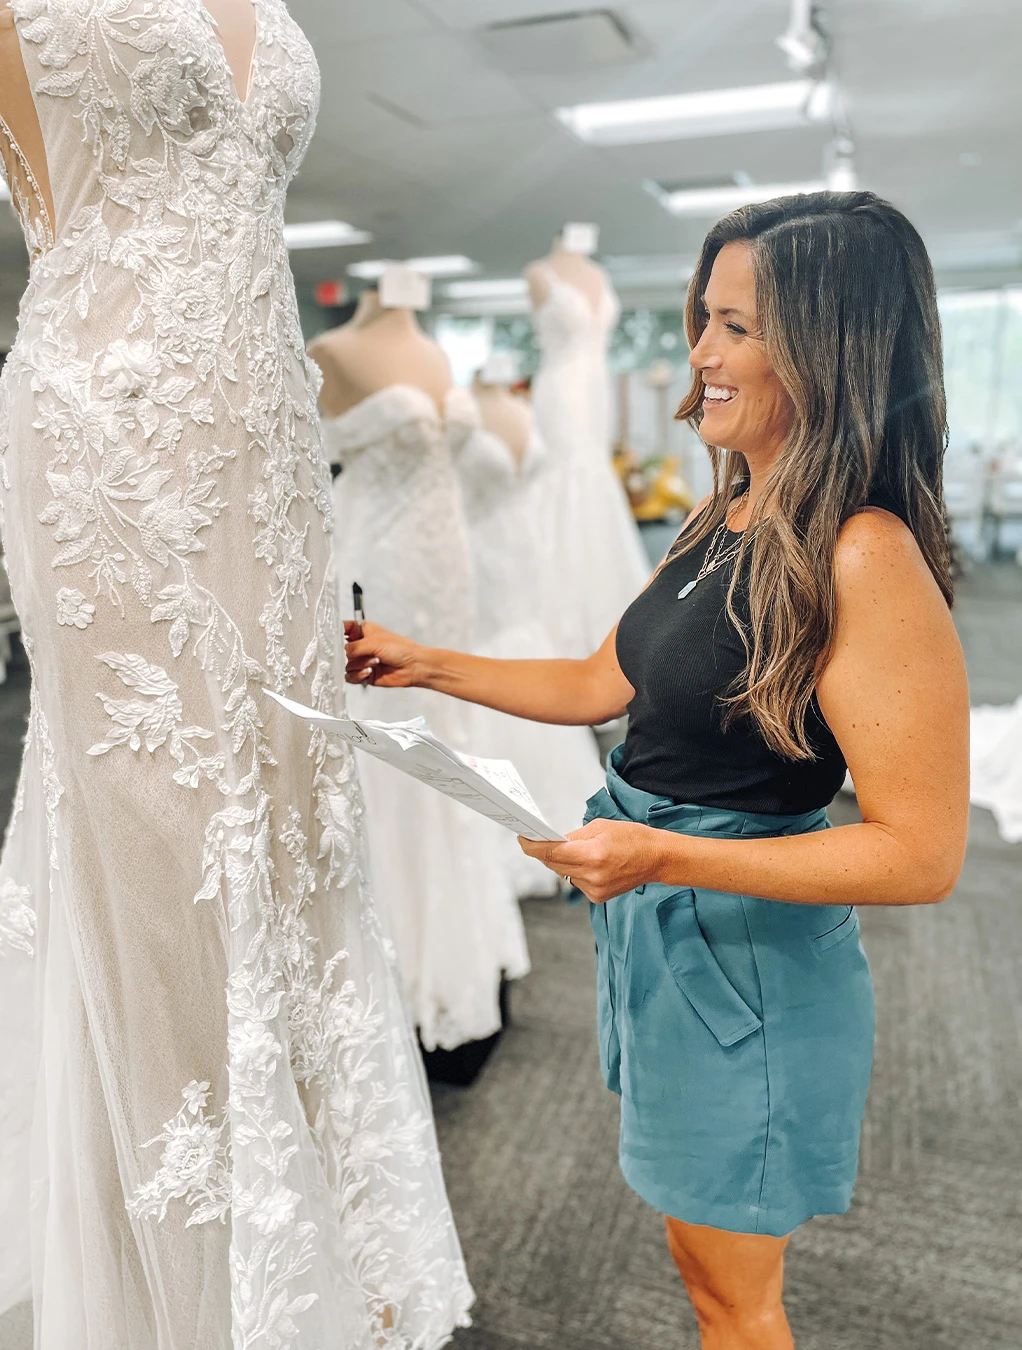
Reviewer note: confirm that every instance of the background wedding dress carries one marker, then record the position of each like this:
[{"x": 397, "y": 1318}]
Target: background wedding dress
[
  {"x": 596, "y": 564},
  {"x": 560, "y": 765},
  {"x": 214, "y": 1127},
  {"x": 439, "y": 871},
  {"x": 996, "y": 754}
]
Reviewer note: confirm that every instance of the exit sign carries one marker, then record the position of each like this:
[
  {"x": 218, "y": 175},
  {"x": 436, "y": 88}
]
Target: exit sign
[{"x": 330, "y": 294}]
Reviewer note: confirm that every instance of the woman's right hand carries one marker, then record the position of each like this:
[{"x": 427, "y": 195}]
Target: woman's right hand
[{"x": 380, "y": 658}]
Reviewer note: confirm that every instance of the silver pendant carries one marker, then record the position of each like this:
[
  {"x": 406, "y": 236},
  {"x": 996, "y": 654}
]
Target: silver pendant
[{"x": 687, "y": 590}]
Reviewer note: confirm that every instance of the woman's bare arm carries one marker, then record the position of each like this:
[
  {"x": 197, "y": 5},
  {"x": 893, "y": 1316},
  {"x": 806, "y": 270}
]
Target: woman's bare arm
[
  {"x": 571, "y": 693},
  {"x": 895, "y": 695}
]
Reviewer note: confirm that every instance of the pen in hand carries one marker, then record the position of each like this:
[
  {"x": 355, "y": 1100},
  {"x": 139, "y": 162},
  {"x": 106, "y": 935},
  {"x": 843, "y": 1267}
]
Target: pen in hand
[{"x": 360, "y": 618}]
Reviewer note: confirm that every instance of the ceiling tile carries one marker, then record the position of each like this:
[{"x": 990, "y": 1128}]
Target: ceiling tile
[{"x": 348, "y": 21}]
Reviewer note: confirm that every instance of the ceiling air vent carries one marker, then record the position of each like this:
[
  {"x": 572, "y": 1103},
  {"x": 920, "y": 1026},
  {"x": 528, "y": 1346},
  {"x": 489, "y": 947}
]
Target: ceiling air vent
[{"x": 560, "y": 44}]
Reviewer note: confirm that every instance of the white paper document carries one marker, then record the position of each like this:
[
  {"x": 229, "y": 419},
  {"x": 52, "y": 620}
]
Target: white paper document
[{"x": 490, "y": 786}]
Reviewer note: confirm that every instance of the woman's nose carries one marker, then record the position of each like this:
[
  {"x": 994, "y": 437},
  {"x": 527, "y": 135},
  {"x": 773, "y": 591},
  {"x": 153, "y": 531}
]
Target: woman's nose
[{"x": 701, "y": 358}]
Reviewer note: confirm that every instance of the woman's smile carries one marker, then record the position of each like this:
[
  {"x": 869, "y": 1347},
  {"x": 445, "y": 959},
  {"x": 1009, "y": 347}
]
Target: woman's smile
[{"x": 715, "y": 396}]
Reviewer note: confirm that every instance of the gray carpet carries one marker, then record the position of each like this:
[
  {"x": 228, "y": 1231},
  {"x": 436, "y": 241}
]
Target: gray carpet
[{"x": 564, "y": 1256}]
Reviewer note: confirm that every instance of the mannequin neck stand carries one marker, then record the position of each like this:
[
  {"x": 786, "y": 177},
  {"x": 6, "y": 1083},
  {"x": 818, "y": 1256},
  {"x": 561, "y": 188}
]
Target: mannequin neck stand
[
  {"x": 370, "y": 311},
  {"x": 574, "y": 268},
  {"x": 377, "y": 348}
]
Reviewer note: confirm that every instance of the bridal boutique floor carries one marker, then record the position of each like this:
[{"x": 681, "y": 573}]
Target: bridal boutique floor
[{"x": 564, "y": 1256}]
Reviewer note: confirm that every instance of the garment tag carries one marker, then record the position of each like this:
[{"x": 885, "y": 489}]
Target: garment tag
[
  {"x": 500, "y": 368},
  {"x": 579, "y": 237},
  {"x": 403, "y": 288}
]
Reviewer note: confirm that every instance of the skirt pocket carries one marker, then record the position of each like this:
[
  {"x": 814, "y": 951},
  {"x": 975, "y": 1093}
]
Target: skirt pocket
[
  {"x": 847, "y": 928},
  {"x": 697, "y": 974},
  {"x": 610, "y": 1045}
]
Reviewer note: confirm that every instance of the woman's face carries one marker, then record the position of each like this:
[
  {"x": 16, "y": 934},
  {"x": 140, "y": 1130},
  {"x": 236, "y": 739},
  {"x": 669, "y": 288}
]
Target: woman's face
[{"x": 745, "y": 406}]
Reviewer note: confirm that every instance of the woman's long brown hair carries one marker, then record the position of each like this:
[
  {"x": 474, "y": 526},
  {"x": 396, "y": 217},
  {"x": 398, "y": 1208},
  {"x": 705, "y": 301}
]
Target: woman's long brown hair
[{"x": 848, "y": 310}]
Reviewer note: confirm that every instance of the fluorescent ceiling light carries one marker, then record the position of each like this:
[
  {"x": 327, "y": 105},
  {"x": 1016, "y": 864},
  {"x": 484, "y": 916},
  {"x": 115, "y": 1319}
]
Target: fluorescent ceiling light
[
  {"x": 448, "y": 265},
  {"x": 324, "y": 234},
  {"x": 713, "y": 112},
  {"x": 496, "y": 288},
  {"x": 717, "y": 201},
  {"x": 649, "y": 268}
]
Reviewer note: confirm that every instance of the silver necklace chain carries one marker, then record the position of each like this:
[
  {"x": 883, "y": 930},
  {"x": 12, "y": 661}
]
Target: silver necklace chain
[{"x": 715, "y": 558}]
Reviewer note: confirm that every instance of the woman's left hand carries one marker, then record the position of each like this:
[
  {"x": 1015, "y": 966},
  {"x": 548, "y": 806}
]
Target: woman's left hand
[{"x": 606, "y": 858}]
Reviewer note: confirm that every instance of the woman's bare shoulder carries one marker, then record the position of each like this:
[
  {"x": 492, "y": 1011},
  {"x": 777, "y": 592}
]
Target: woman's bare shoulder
[
  {"x": 874, "y": 538},
  {"x": 877, "y": 558}
]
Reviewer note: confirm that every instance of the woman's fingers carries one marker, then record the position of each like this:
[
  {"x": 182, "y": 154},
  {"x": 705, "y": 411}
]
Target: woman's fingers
[
  {"x": 557, "y": 856},
  {"x": 375, "y": 656},
  {"x": 361, "y": 651}
]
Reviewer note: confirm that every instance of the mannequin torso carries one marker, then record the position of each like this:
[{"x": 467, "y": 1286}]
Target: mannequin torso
[
  {"x": 505, "y": 416},
  {"x": 21, "y": 138},
  {"x": 377, "y": 348},
  {"x": 574, "y": 268},
  {"x": 236, "y": 28}
]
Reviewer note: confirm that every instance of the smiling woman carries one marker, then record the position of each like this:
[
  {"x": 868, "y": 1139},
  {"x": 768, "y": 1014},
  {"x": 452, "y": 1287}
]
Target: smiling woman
[
  {"x": 800, "y": 624},
  {"x": 797, "y": 348}
]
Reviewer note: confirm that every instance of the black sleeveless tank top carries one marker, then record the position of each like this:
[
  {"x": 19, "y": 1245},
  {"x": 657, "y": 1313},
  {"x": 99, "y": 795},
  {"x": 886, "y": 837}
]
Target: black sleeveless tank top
[{"x": 680, "y": 657}]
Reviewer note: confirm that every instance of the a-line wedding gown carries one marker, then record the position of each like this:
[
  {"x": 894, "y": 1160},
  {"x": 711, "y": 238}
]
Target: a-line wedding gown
[
  {"x": 595, "y": 561},
  {"x": 214, "y": 1128},
  {"x": 439, "y": 871},
  {"x": 560, "y": 765}
]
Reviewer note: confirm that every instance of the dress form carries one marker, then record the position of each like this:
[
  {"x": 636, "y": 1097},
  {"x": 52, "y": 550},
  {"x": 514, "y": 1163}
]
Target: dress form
[
  {"x": 504, "y": 415},
  {"x": 504, "y": 494},
  {"x": 575, "y": 268},
  {"x": 153, "y": 991},
  {"x": 595, "y": 561},
  {"x": 21, "y": 138},
  {"x": 235, "y": 22},
  {"x": 439, "y": 873},
  {"x": 375, "y": 349}
]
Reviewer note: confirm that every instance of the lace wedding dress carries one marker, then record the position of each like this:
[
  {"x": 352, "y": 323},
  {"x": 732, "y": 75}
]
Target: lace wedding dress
[
  {"x": 996, "y": 754},
  {"x": 596, "y": 564},
  {"x": 439, "y": 871},
  {"x": 560, "y": 765},
  {"x": 214, "y": 1127}
]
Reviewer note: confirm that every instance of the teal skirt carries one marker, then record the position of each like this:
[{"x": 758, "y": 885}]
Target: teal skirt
[{"x": 737, "y": 1031}]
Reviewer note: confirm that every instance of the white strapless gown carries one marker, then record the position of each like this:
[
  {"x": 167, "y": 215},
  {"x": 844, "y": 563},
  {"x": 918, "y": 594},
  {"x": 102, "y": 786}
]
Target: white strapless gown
[
  {"x": 438, "y": 871},
  {"x": 215, "y": 1132},
  {"x": 595, "y": 560},
  {"x": 996, "y": 753},
  {"x": 560, "y": 765}
]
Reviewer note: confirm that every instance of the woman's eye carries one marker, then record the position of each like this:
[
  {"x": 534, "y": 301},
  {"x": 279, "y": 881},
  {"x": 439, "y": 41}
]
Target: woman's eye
[{"x": 734, "y": 328}]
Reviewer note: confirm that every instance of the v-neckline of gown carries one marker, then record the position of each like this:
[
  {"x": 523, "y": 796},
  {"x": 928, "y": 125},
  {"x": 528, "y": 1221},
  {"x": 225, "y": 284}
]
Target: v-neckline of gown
[
  {"x": 241, "y": 99},
  {"x": 595, "y": 308}
]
